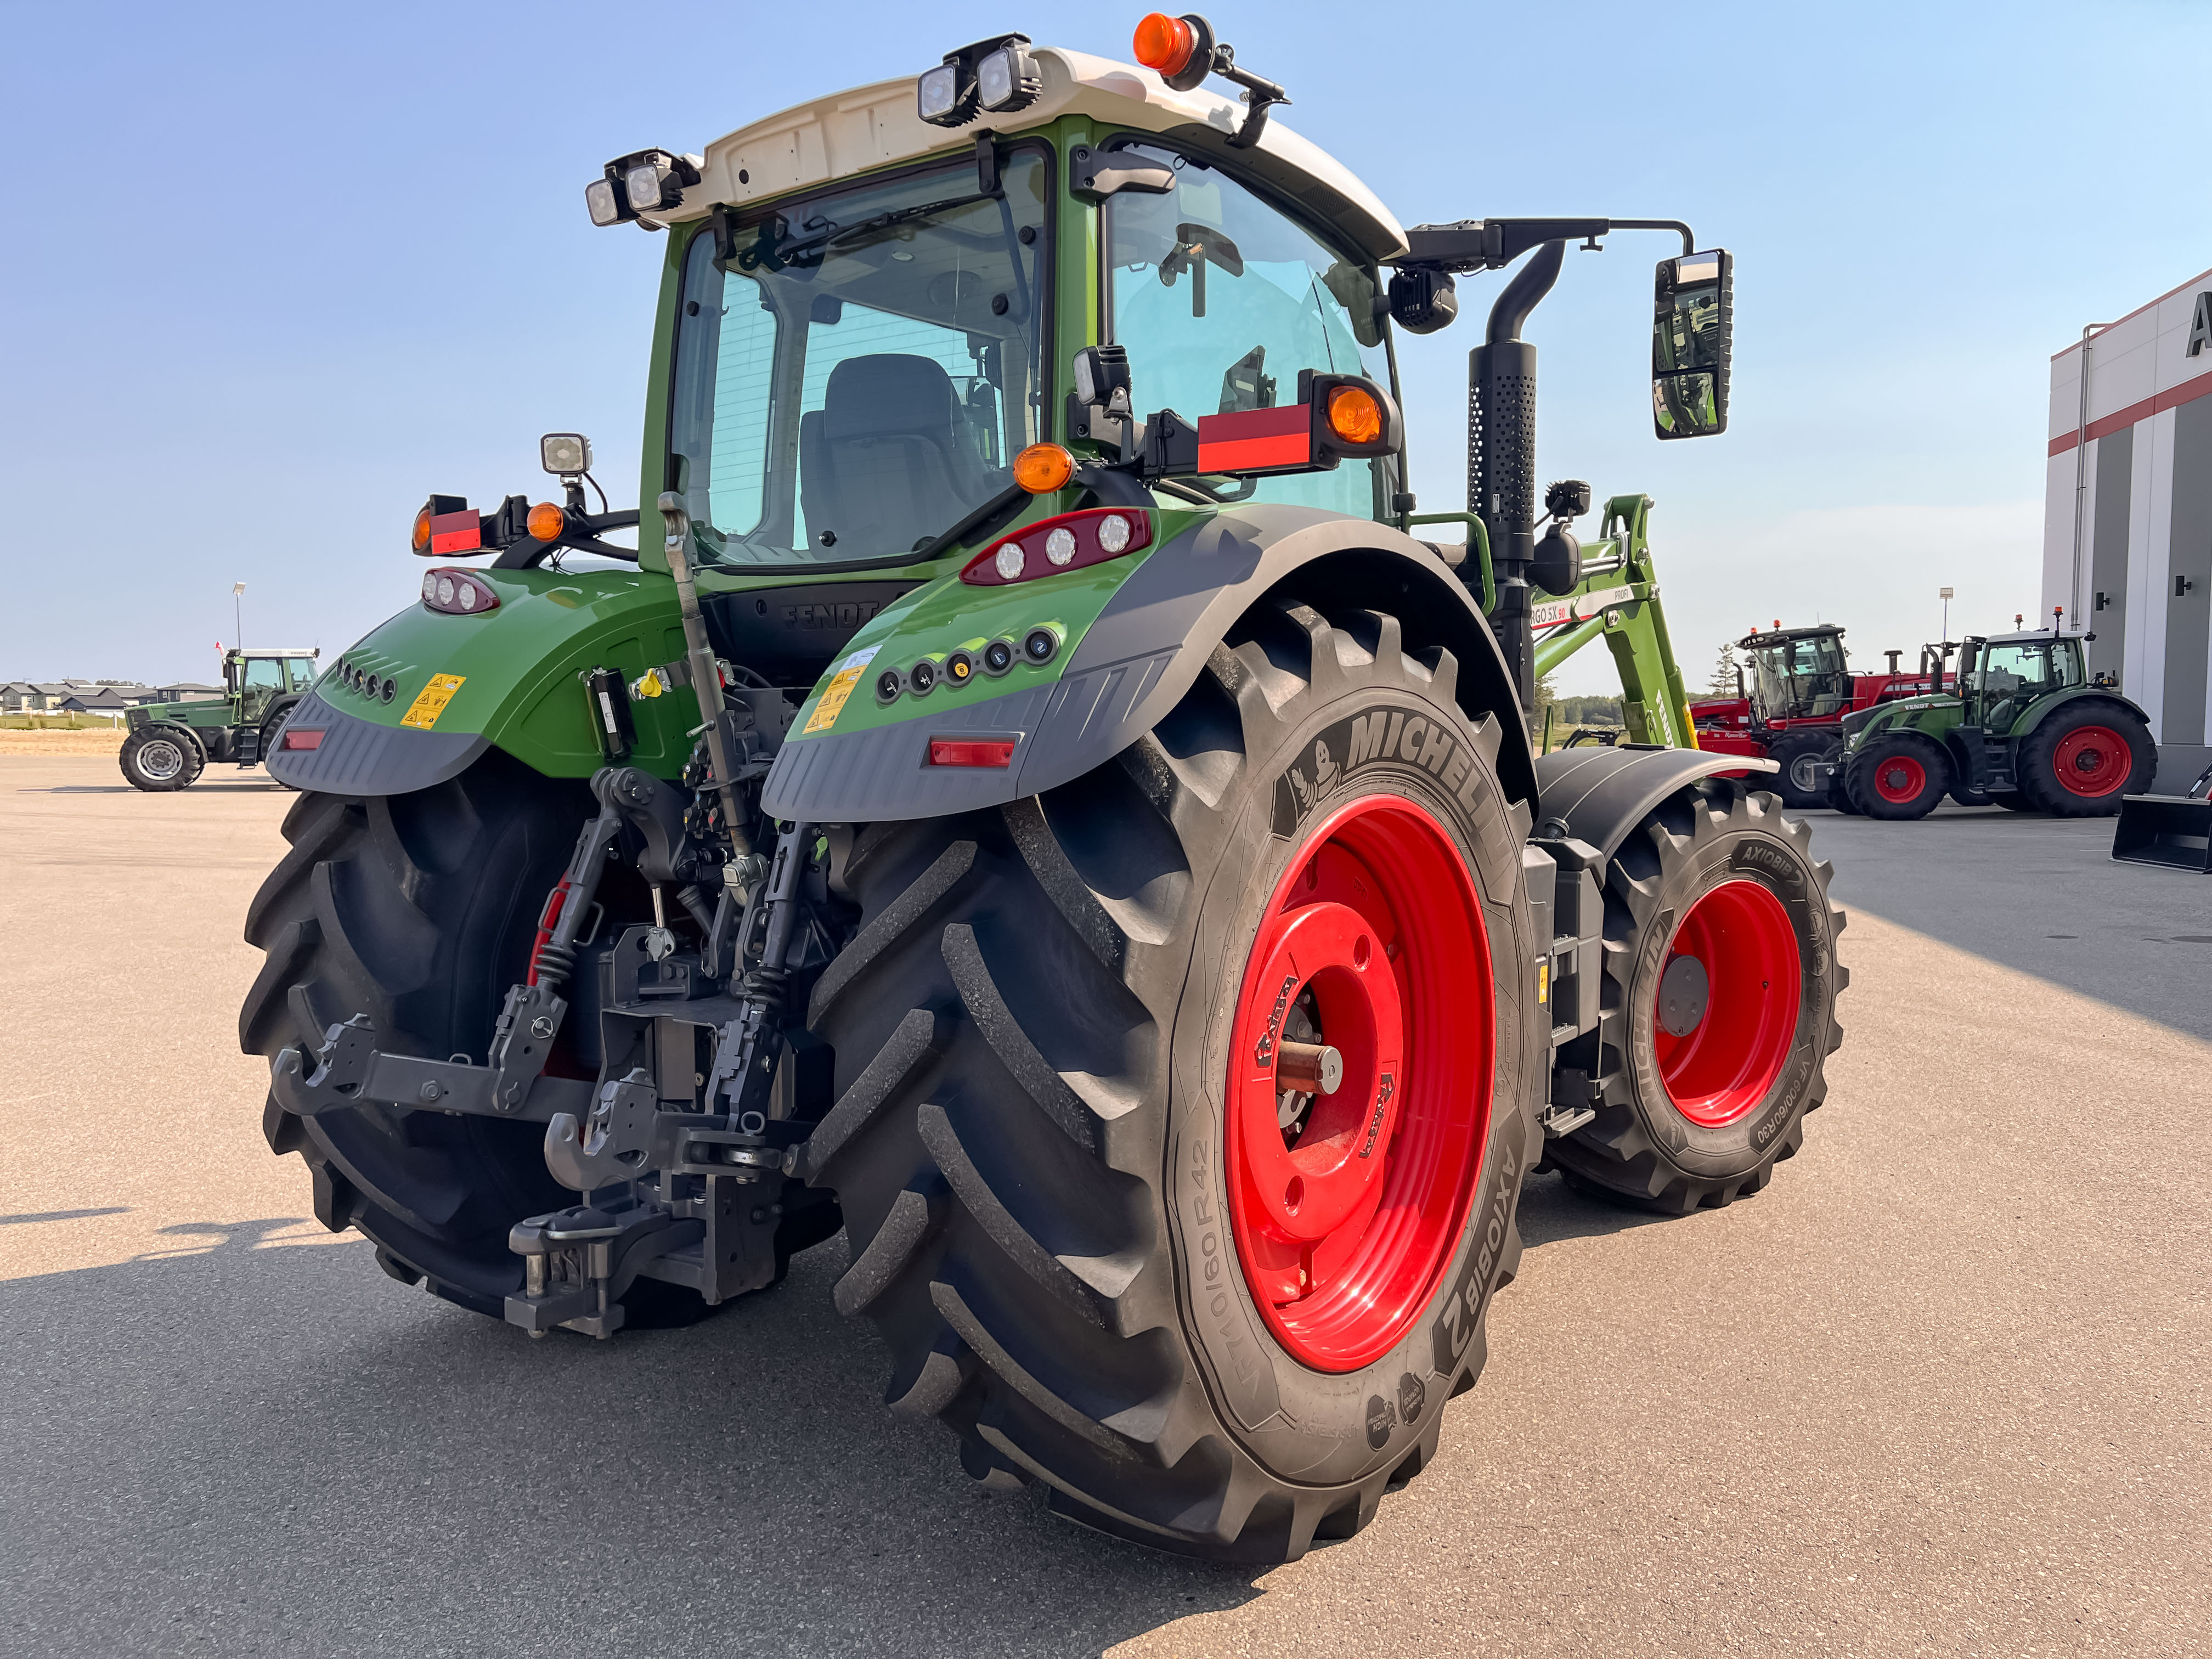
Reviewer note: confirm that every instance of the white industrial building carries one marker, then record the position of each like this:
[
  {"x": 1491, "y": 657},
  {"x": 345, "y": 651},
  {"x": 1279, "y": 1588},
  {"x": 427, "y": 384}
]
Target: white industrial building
[{"x": 2127, "y": 519}]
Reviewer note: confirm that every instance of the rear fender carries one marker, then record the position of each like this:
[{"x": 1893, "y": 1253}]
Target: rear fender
[
  {"x": 2043, "y": 710},
  {"x": 1121, "y": 669}
]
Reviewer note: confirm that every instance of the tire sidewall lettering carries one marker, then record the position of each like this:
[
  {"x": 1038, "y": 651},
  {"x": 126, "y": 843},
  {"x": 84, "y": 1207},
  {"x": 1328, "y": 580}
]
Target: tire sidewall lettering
[{"x": 1303, "y": 1424}]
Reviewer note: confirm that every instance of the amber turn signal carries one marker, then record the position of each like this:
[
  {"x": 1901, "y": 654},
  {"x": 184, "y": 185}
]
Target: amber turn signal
[
  {"x": 1164, "y": 44},
  {"x": 1042, "y": 468},
  {"x": 547, "y": 521},
  {"x": 1354, "y": 415},
  {"x": 421, "y": 538}
]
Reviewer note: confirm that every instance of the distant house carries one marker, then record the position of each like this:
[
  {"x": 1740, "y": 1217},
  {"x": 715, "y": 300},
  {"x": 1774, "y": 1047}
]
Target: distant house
[
  {"x": 185, "y": 691},
  {"x": 37, "y": 697},
  {"x": 106, "y": 700}
]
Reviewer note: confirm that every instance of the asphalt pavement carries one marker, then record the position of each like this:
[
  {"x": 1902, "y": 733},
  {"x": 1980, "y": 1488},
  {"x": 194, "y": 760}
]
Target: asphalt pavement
[{"x": 1942, "y": 1389}]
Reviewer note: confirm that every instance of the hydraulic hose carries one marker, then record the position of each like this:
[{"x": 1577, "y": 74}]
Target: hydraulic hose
[{"x": 706, "y": 683}]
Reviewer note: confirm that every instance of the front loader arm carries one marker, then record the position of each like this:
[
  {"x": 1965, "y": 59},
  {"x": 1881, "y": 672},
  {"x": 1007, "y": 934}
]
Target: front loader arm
[{"x": 1618, "y": 600}]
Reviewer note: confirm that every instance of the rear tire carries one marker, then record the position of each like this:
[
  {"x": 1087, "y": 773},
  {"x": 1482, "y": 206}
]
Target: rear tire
[
  {"x": 1902, "y": 775},
  {"x": 159, "y": 759},
  {"x": 2084, "y": 758},
  {"x": 1798, "y": 753},
  {"x": 417, "y": 910},
  {"x": 1700, "y": 1118},
  {"x": 1036, "y": 1141}
]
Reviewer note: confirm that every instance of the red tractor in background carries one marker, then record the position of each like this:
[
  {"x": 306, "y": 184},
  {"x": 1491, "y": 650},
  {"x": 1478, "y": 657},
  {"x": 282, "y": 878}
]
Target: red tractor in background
[{"x": 1792, "y": 712}]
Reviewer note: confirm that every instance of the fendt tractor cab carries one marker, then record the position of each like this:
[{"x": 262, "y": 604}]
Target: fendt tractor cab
[
  {"x": 2023, "y": 724},
  {"x": 169, "y": 745},
  {"x": 1030, "y": 800},
  {"x": 1791, "y": 709}
]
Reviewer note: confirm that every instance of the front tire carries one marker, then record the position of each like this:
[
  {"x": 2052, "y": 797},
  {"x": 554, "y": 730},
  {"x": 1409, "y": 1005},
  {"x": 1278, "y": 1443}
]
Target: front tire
[
  {"x": 1719, "y": 1004},
  {"x": 1067, "y": 1220},
  {"x": 159, "y": 759},
  {"x": 1799, "y": 754},
  {"x": 1903, "y": 775}
]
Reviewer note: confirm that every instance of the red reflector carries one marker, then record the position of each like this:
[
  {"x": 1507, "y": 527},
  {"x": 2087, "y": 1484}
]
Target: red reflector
[
  {"x": 971, "y": 752},
  {"x": 456, "y": 532},
  {"x": 1256, "y": 440},
  {"x": 310, "y": 738}
]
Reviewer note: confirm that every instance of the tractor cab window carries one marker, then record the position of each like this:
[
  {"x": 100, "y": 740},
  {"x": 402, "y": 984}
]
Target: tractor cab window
[
  {"x": 299, "y": 673},
  {"x": 261, "y": 679},
  {"x": 2009, "y": 677},
  {"x": 1220, "y": 301},
  {"x": 855, "y": 372},
  {"x": 1800, "y": 678}
]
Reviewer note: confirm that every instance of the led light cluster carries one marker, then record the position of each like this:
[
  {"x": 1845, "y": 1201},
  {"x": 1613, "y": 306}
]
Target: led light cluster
[
  {"x": 458, "y": 592},
  {"x": 356, "y": 679},
  {"x": 960, "y": 668},
  {"x": 1068, "y": 542}
]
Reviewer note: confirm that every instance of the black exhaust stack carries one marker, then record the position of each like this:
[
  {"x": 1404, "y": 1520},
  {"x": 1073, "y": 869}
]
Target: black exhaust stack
[{"x": 1501, "y": 457}]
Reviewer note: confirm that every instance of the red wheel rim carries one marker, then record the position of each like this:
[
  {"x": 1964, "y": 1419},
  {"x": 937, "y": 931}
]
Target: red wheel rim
[
  {"x": 1899, "y": 778},
  {"x": 1718, "y": 1066},
  {"x": 2092, "y": 761},
  {"x": 1344, "y": 1219}
]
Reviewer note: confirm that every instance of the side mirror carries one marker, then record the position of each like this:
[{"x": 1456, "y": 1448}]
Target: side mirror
[{"x": 1693, "y": 314}]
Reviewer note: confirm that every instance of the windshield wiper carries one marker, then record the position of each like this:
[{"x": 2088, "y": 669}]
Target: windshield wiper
[{"x": 768, "y": 252}]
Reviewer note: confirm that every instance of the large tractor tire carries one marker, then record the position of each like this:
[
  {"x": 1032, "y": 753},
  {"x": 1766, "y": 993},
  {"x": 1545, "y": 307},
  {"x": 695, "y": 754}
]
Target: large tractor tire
[
  {"x": 160, "y": 758},
  {"x": 417, "y": 910},
  {"x": 1719, "y": 1005},
  {"x": 1799, "y": 754},
  {"x": 2084, "y": 758},
  {"x": 1105, "y": 1246},
  {"x": 1900, "y": 775}
]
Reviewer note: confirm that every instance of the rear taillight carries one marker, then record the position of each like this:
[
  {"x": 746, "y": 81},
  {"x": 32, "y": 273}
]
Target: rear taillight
[
  {"x": 971, "y": 752},
  {"x": 299, "y": 737},
  {"x": 458, "y": 592},
  {"x": 1068, "y": 542}
]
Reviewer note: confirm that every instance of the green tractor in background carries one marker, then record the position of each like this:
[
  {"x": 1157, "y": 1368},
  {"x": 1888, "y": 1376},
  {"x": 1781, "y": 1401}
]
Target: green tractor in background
[
  {"x": 2025, "y": 726},
  {"x": 1095, "y": 858},
  {"x": 169, "y": 745}
]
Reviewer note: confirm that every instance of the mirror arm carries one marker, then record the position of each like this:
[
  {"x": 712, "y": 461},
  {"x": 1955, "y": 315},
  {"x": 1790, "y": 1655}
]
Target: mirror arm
[{"x": 1689, "y": 241}]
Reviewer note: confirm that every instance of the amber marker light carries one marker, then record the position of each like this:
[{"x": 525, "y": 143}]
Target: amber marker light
[
  {"x": 1354, "y": 415},
  {"x": 1042, "y": 468},
  {"x": 421, "y": 540},
  {"x": 1164, "y": 44},
  {"x": 547, "y": 521}
]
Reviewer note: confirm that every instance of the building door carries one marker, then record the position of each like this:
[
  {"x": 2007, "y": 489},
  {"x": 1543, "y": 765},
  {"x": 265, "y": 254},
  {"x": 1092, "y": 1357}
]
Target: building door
[
  {"x": 2189, "y": 577},
  {"x": 2108, "y": 616}
]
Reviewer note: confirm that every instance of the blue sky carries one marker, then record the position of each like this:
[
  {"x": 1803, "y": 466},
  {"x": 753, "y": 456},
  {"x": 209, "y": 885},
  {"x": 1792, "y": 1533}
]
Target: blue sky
[{"x": 273, "y": 274}]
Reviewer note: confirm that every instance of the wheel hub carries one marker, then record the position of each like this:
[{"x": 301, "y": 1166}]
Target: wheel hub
[
  {"x": 161, "y": 760},
  {"x": 1358, "y": 1094},
  {"x": 2092, "y": 760},
  {"x": 1726, "y": 1008}
]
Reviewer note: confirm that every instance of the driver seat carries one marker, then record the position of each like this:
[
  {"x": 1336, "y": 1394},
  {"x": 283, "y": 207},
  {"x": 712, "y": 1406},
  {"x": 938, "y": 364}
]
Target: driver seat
[{"x": 883, "y": 463}]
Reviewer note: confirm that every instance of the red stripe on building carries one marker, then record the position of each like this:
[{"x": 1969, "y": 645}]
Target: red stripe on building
[
  {"x": 2120, "y": 419},
  {"x": 1253, "y": 440}
]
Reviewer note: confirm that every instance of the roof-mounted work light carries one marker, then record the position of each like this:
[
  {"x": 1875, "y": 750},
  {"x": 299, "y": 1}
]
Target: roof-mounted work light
[
  {"x": 649, "y": 181},
  {"x": 998, "y": 75}
]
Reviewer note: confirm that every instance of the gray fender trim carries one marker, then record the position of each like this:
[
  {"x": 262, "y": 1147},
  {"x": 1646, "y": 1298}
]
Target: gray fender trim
[
  {"x": 1133, "y": 665},
  {"x": 360, "y": 757},
  {"x": 1601, "y": 794}
]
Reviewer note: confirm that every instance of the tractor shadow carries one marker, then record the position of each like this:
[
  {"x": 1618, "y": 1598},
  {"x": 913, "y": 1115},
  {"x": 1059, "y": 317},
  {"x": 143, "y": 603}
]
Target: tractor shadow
[
  {"x": 1552, "y": 1211},
  {"x": 280, "y": 1450}
]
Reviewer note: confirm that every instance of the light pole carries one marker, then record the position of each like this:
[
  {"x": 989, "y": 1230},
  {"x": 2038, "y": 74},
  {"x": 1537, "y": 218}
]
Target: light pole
[
  {"x": 237, "y": 613},
  {"x": 1944, "y": 594}
]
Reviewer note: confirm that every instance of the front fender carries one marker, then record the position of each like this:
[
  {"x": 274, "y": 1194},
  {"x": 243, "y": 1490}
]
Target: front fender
[{"x": 1136, "y": 634}]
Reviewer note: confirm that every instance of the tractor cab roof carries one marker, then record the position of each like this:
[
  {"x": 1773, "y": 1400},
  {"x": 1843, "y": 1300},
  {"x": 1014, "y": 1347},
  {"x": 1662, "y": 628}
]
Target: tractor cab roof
[
  {"x": 876, "y": 126},
  {"x": 274, "y": 651},
  {"x": 2034, "y": 636},
  {"x": 1786, "y": 636}
]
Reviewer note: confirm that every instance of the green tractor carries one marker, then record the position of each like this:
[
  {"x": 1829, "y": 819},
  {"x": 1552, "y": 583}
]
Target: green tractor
[
  {"x": 169, "y": 745},
  {"x": 1029, "y": 801},
  {"x": 2025, "y": 726}
]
